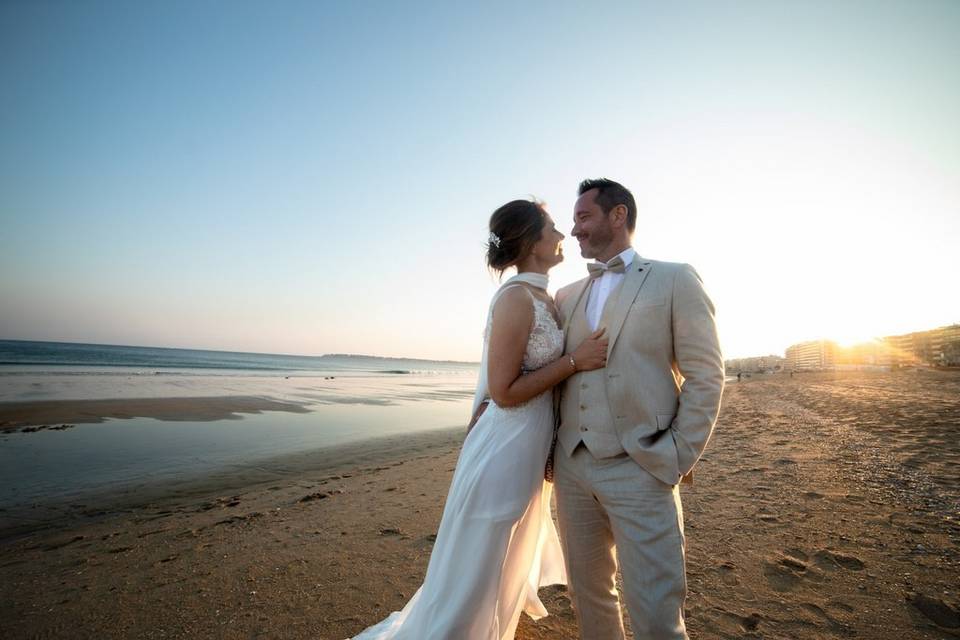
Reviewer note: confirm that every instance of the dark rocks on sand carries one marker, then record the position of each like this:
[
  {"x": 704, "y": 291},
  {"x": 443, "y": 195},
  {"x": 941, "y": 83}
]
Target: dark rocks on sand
[
  {"x": 319, "y": 495},
  {"x": 44, "y": 427}
]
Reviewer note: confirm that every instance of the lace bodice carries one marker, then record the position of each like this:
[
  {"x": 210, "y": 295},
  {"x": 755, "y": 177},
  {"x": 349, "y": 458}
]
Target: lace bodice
[{"x": 546, "y": 339}]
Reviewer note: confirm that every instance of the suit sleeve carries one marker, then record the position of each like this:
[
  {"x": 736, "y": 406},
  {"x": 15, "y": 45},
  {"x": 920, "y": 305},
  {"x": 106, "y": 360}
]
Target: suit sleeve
[
  {"x": 562, "y": 294},
  {"x": 560, "y": 297},
  {"x": 697, "y": 355}
]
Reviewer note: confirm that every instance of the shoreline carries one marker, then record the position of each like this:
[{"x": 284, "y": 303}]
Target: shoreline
[{"x": 304, "y": 466}]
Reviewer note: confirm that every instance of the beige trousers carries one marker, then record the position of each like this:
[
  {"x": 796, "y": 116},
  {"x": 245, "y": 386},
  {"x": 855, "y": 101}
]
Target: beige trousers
[{"x": 612, "y": 510}]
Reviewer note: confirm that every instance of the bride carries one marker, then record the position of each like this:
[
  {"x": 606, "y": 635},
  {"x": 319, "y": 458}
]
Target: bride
[{"x": 497, "y": 543}]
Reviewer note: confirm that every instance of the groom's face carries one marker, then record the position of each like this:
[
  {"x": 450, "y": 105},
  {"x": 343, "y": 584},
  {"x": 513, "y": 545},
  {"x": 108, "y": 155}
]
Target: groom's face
[{"x": 591, "y": 226}]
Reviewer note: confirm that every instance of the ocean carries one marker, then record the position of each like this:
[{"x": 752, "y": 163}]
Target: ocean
[{"x": 20, "y": 356}]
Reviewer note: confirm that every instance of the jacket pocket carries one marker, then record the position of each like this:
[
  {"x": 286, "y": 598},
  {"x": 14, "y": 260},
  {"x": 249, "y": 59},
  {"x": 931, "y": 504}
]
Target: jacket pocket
[{"x": 649, "y": 302}]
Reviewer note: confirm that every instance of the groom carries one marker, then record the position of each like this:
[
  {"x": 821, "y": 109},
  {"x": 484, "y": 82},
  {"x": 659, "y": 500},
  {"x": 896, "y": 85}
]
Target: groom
[{"x": 628, "y": 433}]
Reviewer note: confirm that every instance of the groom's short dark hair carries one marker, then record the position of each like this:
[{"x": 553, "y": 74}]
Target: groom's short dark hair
[{"x": 609, "y": 195}]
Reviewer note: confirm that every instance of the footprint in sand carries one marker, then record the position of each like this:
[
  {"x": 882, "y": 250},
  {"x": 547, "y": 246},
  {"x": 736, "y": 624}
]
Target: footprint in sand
[
  {"x": 734, "y": 623},
  {"x": 832, "y": 623},
  {"x": 781, "y": 577},
  {"x": 830, "y": 561},
  {"x": 935, "y": 610},
  {"x": 795, "y": 564},
  {"x": 798, "y": 554},
  {"x": 728, "y": 574},
  {"x": 786, "y": 571},
  {"x": 840, "y": 605},
  {"x": 120, "y": 550},
  {"x": 238, "y": 519},
  {"x": 751, "y": 622}
]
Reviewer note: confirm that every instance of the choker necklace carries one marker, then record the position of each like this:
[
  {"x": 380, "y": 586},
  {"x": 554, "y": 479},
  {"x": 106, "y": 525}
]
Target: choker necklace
[{"x": 538, "y": 280}]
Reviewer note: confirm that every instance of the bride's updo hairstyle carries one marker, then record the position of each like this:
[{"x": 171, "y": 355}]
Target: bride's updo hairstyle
[{"x": 514, "y": 229}]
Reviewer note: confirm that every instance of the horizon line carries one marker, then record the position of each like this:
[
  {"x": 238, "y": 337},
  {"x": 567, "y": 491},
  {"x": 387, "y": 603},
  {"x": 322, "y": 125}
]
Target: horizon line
[{"x": 248, "y": 353}]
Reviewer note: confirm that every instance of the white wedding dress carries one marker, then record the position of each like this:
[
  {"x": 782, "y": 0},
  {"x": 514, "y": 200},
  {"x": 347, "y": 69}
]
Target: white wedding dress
[{"x": 496, "y": 544}]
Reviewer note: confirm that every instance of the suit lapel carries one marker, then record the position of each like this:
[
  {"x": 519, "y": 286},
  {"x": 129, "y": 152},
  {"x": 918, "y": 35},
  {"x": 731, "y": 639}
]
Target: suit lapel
[{"x": 633, "y": 280}]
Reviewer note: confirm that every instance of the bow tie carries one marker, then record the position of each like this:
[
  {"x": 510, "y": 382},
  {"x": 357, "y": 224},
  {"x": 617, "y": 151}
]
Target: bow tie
[{"x": 597, "y": 269}]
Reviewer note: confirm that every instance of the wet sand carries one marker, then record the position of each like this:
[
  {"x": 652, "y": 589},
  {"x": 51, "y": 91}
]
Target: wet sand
[
  {"x": 827, "y": 505},
  {"x": 59, "y": 414}
]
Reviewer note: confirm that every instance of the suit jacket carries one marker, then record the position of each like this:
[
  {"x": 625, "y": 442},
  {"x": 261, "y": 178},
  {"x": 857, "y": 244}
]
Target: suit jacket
[{"x": 664, "y": 374}]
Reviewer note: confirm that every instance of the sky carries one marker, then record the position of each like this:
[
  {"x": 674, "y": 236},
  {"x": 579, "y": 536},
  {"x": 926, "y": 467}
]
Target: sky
[{"x": 317, "y": 177}]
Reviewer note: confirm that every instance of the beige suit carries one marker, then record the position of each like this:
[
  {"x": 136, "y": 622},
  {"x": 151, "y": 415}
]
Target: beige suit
[{"x": 627, "y": 435}]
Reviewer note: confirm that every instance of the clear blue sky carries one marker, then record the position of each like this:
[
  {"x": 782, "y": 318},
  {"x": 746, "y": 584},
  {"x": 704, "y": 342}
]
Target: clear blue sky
[{"x": 312, "y": 177}]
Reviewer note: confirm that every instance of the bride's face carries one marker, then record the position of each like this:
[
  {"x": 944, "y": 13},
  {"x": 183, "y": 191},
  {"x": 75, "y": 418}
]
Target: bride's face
[{"x": 549, "y": 248}]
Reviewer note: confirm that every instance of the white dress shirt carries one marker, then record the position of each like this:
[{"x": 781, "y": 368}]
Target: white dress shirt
[{"x": 601, "y": 287}]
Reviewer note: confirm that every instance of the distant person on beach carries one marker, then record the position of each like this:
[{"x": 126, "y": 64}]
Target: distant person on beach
[
  {"x": 497, "y": 542},
  {"x": 630, "y": 432}
]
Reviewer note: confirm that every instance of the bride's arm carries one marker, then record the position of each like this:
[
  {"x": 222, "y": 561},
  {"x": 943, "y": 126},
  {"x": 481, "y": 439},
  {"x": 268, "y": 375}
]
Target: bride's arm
[{"x": 512, "y": 321}]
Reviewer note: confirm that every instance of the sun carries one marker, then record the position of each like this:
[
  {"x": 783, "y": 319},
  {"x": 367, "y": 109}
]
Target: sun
[{"x": 852, "y": 337}]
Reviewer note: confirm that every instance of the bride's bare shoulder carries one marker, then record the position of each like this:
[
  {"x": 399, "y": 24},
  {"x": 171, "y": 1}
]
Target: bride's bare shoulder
[
  {"x": 515, "y": 303},
  {"x": 514, "y": 296}
]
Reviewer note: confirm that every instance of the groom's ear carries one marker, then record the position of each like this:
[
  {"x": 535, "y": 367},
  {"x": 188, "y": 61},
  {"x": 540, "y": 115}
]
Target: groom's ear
[{"x": 618, "y": 215}]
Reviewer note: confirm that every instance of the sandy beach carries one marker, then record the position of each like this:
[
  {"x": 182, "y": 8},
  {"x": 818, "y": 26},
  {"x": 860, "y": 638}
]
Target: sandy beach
[{"x": 827, "y": 505}]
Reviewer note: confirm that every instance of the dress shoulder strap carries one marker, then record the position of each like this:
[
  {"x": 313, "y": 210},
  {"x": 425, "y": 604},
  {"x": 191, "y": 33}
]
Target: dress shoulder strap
[{"x": 511, "y": 285}]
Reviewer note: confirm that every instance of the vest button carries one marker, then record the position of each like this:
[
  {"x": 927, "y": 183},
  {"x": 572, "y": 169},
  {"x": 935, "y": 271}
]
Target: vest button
[
  {"x": 583, "y": 429},
  {"x": 583, "y": 385},
  {"x": 583, "y": 407}
]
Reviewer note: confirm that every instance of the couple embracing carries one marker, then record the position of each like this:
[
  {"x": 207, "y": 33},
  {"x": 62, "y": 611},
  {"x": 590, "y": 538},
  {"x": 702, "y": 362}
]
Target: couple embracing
[{"x": 613, "y": 389}]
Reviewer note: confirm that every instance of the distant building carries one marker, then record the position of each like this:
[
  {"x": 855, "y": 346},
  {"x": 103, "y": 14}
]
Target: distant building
[
  {"x": 901, "y": 350},
  {"x": 755, "y": 364},
  {"x": 945, "y": 345},
  {"x": 816, "y": 354},
  {"x": 936, "y": 347},
  {"x": 876, "y": 354},
  {"x": 940, "y": 346}
]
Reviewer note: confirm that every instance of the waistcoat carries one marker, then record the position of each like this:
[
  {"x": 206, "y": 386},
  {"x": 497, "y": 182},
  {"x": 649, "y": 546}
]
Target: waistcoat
[{"x": 584, "y": 410}]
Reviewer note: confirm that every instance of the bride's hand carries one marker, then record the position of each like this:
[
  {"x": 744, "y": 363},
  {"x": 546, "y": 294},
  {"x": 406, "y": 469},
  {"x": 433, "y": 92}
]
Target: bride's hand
[{"x": 592, "y": 352}]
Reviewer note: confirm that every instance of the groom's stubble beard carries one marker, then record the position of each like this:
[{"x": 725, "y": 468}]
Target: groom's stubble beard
[{"x": 597, "y": 240}]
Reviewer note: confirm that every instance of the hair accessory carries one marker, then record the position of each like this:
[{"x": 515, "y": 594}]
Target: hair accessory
[{"x": 494, "y": 239}]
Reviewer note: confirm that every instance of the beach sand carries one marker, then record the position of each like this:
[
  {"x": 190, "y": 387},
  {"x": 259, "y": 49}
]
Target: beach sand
[{"x": 827, "y": 506}]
